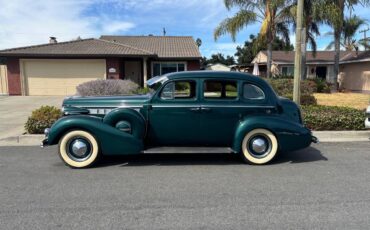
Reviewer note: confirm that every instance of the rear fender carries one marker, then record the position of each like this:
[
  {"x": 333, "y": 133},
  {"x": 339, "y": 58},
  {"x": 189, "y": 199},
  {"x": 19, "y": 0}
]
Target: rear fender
[
  {"x": 111, "y": 140},
  {"x": 290, "y": 135}
]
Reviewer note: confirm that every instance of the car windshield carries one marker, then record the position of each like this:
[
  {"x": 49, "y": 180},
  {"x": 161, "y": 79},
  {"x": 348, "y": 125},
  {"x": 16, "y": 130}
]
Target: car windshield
[{"x": 155, "y": 82}]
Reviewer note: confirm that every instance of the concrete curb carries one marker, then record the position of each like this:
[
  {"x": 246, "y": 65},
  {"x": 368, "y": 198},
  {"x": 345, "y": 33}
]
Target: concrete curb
[
  {"x": 22, "y": 140},
  {"x": 342, "y": 136},
  {"x": 323, "y": 136}
]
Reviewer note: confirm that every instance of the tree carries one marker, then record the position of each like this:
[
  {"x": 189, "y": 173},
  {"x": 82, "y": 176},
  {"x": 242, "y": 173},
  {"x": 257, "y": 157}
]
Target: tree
[
  {"x": 310, "y": 28},
  {"x": 198, "y": 42},
  {"x": 268, "y": 12},
  {"x": 218, "y": 58},
  {"x": 334, "y": 16},
  {"x": 251, "y": 48},
  {"x": 351, "y": 25}
]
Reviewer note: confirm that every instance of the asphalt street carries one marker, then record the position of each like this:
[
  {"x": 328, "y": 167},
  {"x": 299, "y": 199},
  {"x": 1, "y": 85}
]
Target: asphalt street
[{"x": 326, "y": 186}]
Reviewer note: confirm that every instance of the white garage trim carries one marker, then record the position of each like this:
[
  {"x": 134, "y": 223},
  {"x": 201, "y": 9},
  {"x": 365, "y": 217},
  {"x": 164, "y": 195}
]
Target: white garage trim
[{"x": 58, "y": 76}]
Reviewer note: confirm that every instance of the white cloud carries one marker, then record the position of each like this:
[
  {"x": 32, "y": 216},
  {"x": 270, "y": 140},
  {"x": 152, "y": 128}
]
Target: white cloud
[{"x": 26, "y": 23}]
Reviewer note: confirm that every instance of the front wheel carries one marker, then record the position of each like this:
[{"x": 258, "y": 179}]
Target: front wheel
[
  {"x": 78, "y": 149},
  {"x": 259, "y": 146}
]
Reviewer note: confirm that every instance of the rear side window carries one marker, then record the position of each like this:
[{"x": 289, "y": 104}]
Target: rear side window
[
  {"x": 220, "y": 89},
  {"x": 253, "y": 92},
  {"x": 179, "y": 90}
]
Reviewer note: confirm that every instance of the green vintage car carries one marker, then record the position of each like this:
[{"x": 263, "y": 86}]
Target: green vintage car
[{"x": 187, "y": 112}]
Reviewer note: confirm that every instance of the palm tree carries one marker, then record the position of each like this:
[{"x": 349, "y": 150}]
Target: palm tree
[
  {"x": 311, "y": 22},
  {"x": 350, "y": 28},
  {"x": 334, "y": 16},
  {"x": 267, "y": 12},
  {"x": 198, "y": 42}
]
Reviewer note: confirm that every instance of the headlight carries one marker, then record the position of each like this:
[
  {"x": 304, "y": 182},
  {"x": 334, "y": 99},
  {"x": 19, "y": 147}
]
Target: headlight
[{"x": 47, "y": 131}]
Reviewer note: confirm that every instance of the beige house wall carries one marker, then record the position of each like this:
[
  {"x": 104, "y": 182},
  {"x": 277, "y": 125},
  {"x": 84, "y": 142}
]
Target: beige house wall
[
  {"x": 218, "y": 67},
  {"x": 356, "y": 76},
  {"x": 58, "y": 76},
  {"x": 3, "y": 80}
]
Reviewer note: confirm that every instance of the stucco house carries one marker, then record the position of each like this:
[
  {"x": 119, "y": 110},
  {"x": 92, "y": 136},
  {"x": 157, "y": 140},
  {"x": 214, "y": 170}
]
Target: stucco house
[
  {"x": 57, "y": 68},
  {"x": 354, "y": 66}
]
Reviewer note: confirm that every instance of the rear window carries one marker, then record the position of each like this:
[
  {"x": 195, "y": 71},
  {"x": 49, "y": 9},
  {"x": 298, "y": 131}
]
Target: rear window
[
  {"x": 220, "y": 89},
  {"x": 253, "y": 92}
]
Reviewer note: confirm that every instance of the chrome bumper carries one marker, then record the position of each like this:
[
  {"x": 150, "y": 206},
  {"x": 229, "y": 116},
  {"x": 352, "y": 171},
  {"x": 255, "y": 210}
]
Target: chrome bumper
[
  {"x": 45, "y": 141},
  {"x": 315, "y": 140}
]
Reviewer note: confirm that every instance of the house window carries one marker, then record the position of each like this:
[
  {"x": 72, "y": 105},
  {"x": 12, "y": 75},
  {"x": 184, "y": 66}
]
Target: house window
[
  {"x": 287, "y": 70},
  {"x": 160, "y": 68}
]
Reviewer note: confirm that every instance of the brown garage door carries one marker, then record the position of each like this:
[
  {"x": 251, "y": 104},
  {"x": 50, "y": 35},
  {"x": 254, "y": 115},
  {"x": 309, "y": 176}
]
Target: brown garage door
[{"x": 60, "y": 76}]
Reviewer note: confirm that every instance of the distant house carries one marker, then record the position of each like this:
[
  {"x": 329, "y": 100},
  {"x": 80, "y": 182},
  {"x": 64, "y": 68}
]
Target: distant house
[
  {"x": 354, "y": 66},
  {"x": 355, "y": 71},
  {"x": 57, "y": 68},
  {"x": 218, "y": 67}
]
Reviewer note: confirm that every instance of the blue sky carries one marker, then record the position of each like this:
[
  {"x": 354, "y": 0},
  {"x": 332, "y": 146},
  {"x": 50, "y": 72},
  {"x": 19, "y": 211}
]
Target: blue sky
[{"x": 25, "y": 22}]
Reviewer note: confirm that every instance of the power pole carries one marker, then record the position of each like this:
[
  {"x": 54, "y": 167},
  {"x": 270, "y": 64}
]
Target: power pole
[{"x": 298, "y": 54}]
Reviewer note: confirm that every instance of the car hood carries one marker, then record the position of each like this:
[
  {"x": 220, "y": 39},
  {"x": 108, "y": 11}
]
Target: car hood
[{"x": 106, "y": 101}]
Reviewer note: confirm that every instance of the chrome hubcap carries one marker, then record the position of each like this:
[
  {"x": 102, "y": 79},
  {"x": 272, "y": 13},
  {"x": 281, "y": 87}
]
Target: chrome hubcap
[
  {"x": 79, "y": 148},
  {"x": 259, "y": 145}
]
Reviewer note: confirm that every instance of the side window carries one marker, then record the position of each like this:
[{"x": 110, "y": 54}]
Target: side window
[
  {"x": 220, "y": 89},
  {"x": 253, "y": 92},
  {"x": 178, "y": 90}
]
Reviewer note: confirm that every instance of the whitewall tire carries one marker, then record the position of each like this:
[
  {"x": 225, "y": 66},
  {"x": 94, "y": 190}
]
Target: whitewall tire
[
  {"x": 78, "y": 149},
  {"x": 259, "y": 146}
]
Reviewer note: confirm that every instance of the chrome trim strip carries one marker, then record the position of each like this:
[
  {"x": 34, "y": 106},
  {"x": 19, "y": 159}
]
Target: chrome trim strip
[{"x": 213, "y": 106}]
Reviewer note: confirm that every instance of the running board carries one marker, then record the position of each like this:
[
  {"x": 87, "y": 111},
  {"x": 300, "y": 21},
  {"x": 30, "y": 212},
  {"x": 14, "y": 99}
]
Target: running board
[{"x": 182, "y": 150}]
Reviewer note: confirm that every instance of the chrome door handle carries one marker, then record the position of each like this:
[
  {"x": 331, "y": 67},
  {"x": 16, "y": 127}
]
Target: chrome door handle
[
  {"x": 206, "y": 109},
  {"x": 195, "y": 109}
]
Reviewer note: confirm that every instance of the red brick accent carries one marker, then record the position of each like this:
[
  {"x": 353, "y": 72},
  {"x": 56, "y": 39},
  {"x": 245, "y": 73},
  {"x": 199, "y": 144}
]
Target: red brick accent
[
  {"x": 14, "y": 76},
  {"x": 113, "y": 63},
  {"x": 193, "y": 65}
]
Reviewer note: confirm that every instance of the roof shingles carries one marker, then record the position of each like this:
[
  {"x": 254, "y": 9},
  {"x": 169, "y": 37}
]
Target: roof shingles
[
  {"x": 321, "y": 56},
  {"x": 158, "y": 46}
]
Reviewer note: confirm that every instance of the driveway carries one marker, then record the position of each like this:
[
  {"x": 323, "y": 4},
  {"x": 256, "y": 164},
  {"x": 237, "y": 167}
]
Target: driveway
[
  {"x": 326, "y": 186},
  {"x": 14, "y": 111}
]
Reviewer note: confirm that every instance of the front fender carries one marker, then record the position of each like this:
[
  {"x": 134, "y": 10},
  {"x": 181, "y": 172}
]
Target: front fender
[
  {"x": 290, "y": 135},
  {"x": 111, "y": 140}
]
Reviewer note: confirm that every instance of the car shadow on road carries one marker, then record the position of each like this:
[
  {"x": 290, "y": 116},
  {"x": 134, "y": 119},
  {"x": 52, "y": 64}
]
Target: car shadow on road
[{"x": 303, "y": 156}]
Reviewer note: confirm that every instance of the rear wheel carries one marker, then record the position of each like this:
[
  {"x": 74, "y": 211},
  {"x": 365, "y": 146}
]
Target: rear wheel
[
  {"x": 78, "y": 149},
  {"x": 259, "y": 146}
]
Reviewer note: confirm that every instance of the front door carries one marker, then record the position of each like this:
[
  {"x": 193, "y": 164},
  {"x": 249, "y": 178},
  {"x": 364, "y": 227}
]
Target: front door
[
  {"x": 174, "y": 117},
  {"x": 133, "y": 71},
  {"x": 321, "y": 72}
]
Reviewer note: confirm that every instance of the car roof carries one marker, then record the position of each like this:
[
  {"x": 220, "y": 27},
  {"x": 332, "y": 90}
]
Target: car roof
[{"x": 224, "y": 75}]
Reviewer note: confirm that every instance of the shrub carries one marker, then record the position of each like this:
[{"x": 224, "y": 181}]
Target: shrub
[
  {"x": 143, "y": 90},
  {"x": 306, "y": 99},
  {"x": 42, "y": 118},
  {"x": 107, "y": 87},
  {"x": 322, "y": 117},
  {"x": 284, "y": 87},
  {"x": 322, "y": 86}
]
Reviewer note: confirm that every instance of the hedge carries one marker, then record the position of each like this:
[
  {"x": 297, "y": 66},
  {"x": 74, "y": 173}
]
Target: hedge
[
  {"x": 322, "y": 117},
  {"x": 107, "y": 87}
]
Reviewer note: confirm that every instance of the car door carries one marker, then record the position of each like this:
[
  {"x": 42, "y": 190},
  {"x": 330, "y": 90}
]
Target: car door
[
  {"x": 219, "y": 111},
  {"x": 174, "y": 116}
]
